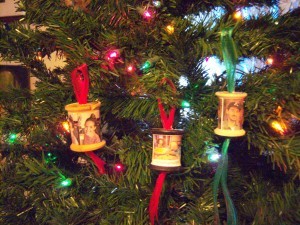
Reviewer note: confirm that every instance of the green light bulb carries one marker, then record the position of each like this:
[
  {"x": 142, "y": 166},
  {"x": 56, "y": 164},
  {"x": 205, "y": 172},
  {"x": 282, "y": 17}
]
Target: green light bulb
[
  {"x": 66, "y": 183},
  {"x": 12, "y": 138},
  {"x": 146, "y": 65},
  {"x": 214, "y": 157},
  {"x": 185, "y": 104}
]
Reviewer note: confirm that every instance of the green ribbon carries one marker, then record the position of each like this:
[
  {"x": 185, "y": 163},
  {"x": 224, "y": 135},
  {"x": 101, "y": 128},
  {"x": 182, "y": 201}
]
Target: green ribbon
[
  {"x": 230, "y": 60},
  {"x": 221, "y": 177},
  {"x": 230, "y": 56}
]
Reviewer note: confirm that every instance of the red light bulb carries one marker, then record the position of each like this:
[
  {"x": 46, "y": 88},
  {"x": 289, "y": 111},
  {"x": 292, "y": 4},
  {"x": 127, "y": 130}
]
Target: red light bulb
[
  {"x": 147, "y": 14},
  {"x": 130, "y": 69},
  {"x": 119, "y": 167},
  {"x": 113, "y": 54}
]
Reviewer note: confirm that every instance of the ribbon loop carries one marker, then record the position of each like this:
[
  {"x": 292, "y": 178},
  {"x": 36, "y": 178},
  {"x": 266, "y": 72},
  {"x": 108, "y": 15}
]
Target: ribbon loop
[
  {"x": 230, "y": 56},
  {"x": 167, "y": 121},
  {"x": 80, "y": 81}
]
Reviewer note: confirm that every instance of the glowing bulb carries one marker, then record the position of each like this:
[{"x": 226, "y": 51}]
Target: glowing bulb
[
  {"x": 146, "y": 65},
  {"x": 185, "y": 104},
  {"x": 66, "y": 126},
  {"x": 170, "y": 29},
  {"x": 279, "y": 127},
  {"x": 12, "y": 138},
  {"x": 147, "y": 14},
  {"x": 119, "y": 167},
  {"x": 214, "y": 157},
  {"x": 130, "y": 69},
  {"x": 113, "y": 54},
  {"x": 270, "y": 61},
  {"x": 66, "y": 182},
  {"x": 157, "y": 4},
  {"x": 39, "y": 56},
  {"x": 237, "y": 15},
  {"x": 149, "y": 63}
]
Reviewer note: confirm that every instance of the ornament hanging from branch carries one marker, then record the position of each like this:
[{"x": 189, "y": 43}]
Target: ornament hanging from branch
[
  {"x": 230, "y": 120},
  {"x": 84, "y": 119},
  {"x": 166, "y": 154}
]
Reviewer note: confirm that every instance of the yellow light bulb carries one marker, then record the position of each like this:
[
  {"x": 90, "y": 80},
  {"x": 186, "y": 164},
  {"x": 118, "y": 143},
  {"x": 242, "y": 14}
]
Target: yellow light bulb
[
  {"x": 170, "y": 29},
  {"x": 66, "y": 126},
  {"x": 39, "y": 56},
  {"x": 278, "y": 127},
  {"x": 237, "y": 15},
  {"x": 269, "y": 61}
]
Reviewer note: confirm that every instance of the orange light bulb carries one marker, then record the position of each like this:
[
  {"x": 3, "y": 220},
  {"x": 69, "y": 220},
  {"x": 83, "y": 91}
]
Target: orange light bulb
[
  {"x": 170, "y": 29},
  {"x": 278, "y": 127},
  {"x": 237, "y": 15},
  {"x": 66, "y": 126},
  {"x": 270, "y": 61}
]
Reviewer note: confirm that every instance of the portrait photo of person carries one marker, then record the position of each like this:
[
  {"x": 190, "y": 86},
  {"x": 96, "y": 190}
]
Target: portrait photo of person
[
  {"x": 233, "y": 118},
  {"x": 90, "y": 131}
]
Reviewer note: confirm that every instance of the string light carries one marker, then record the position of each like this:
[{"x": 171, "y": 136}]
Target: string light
[
  {"x": 170, "y": 29},
  {"x": 185, "y": 104},
  {"x": 130, "y": 69},
  {"x": 146, "y": 65},
  {"x": 119, "y": 167},
  {"x": 212, "y": 152},
  {"x": 279, "y": 127},
  {"x": 214, "y": 157},
  {"x": 149, "y": 63},
  {"x": 66, "y": 126},
  {"x": 157, "y": 4},
  {"x": 112, "y": 54},
  {"x": 269, "y": 61},
  {"x": 147, "y": 14},
  {"x": 237, "y": 15},
  {"x": 39, "y": 56},
  {"x": 66, "y": 182},
  {"x": 12, "y": 138}
]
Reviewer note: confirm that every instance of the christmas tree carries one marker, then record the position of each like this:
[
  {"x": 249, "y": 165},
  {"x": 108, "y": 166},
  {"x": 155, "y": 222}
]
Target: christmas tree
[{"x": 144, "y": 63}]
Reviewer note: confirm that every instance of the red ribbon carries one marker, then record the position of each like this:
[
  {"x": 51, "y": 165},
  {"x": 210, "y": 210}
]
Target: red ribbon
[
  {"x": 80, "y": 81},
  {"x": 167, "y": 122},
  {"x": 98, "y": 162},
  {"x": 154, "y": 201}
]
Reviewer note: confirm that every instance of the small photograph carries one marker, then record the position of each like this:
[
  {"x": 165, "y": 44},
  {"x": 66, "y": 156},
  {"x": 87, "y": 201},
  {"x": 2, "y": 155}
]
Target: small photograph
[
  {"x": 166, "y": 147},
  {"x": 233, "y": 114},
  {"x": 85, "y": 128}
]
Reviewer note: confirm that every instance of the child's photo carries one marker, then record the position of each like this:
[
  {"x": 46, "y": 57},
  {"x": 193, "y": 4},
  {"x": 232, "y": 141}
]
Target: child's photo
[{"x": 84, "y": 128}]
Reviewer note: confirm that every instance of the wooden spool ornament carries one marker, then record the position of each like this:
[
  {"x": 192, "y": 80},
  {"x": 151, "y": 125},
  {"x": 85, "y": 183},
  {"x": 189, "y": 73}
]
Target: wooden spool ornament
[{"x": 230, "y": 114}]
